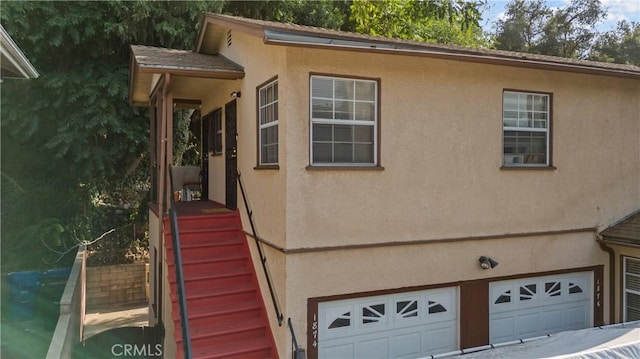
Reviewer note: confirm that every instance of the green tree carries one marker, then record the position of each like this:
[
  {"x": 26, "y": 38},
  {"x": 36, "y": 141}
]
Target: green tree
[
  {"x": 621, "y": 45},
  {"x": 70, "y": 139},
  {"x": 523, "y": 25},
  {"x": 442, "y": 21},
  {"x": 534, "y": 27},
  {"x": 570, "y": 31}
]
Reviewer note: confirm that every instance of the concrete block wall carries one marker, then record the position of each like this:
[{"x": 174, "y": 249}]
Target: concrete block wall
[{"x": 121, "y": 284}]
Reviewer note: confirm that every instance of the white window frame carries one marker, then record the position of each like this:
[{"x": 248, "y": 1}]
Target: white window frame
[
  {"x": 546, "y": 130},
  {"x": 354, "y": 122},
  {"x": 625, "y": 290},
  {"x": 268, "y": 106}
]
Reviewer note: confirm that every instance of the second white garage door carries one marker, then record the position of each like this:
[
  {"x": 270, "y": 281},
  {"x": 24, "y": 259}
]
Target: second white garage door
[
  {"x": 403, "y": 325},
  {"x": 531, "y": 307}
]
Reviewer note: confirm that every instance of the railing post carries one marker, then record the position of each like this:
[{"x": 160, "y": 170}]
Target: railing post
[{"x": 182, "y": 299}]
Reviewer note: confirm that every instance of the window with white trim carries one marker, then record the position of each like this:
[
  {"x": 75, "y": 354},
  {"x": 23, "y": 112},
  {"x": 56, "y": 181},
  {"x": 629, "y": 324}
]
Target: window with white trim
[
  {"x": 631, "y": 289},
  {"x": 525, "y": 120},
  {"x": 268, "y": 124},
  {"x": 344, "y": 121}
]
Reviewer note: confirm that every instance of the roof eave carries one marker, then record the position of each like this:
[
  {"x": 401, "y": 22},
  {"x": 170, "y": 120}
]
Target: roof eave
[
  {"x": 192, "y": 72},
  {"x": 12, "y": 53},
  {"x": 470, "y": 57}
]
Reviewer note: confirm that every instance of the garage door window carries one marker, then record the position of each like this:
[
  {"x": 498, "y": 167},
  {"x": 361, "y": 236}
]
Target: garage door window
[{"x": 631, "y": 289}]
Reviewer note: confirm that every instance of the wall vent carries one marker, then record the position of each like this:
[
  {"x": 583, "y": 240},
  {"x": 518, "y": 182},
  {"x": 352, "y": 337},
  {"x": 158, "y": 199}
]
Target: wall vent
[{"x": 228, "y": 38}]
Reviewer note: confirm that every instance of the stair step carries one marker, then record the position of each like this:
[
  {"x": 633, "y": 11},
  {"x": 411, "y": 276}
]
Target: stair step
[
  {"x": 207, "y": 235},
  {"x": 206, "y": 250},
  {"x": 203, "y": 281},
  {"x": 220, "y": 220},
  {"x": 257, "y": 348},
  {"x": 211, "y": 297}
]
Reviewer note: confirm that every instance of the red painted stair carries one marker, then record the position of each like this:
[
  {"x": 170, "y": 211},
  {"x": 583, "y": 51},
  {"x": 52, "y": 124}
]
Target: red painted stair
[{"x": 227, "y": 315}]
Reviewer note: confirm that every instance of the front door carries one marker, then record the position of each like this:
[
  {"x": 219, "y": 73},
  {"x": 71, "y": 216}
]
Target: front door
[{"x": 231, "y": 155}]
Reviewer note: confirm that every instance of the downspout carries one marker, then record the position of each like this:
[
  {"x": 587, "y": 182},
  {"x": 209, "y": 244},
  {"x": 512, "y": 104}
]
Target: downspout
[{"x": 612, "y": 276}]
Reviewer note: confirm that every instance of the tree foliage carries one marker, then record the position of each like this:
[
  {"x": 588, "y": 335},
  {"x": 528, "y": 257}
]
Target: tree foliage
[
  {"x": 70, "y": 139},
  {"x": 536, "y": 28},
  {"x": 442, "y": 21},
  {"x": 620, "y": 45}
]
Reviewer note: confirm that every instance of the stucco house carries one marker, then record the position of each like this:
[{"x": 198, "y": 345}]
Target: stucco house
[{"x": 409, "y": 198}]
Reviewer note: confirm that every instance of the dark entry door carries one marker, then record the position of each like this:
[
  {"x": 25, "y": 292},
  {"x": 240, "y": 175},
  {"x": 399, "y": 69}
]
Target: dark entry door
[{"x": 231, "y": 154}]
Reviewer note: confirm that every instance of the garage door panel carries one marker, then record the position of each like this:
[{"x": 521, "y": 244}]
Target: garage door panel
[
  {"x": 539, "y": 306},
  {"x": 527, "y": 324},
  {"x": 339, "y": 351},
  {"x": 373, "y": 348},
  {"x": 576, "y": 316},
  {"x": 408, "y": 345},
  {"x": 502, "y": 328},
  {"x": 552, "y": 320},
  {"x": 405, "y": 325},
  {"x": 440, "y": 340}
]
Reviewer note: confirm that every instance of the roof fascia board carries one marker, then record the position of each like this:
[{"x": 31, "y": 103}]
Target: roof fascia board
[
  {"x": 476, "y": 58},
  {"x": 12, "y": 52},
  {"x": 217, "y": 74}
]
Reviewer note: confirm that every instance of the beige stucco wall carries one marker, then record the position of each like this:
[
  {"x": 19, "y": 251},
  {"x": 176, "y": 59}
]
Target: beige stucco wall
[
  {"x": 265, "y": 188},
  {"x": 441, "y": 146},
  {"x": 441, "y": 149}
]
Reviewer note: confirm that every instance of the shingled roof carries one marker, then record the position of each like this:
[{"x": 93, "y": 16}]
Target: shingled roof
[
  {"x": 626, "y": 231},
  {"x": 299, "y": 35},
  {"x": 158, "y": 58}
]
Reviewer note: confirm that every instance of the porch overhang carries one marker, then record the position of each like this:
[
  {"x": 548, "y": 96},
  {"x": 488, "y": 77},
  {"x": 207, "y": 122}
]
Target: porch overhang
[
  {"x": 193, "y": 74},
  {"x": 626, "y": 232}
]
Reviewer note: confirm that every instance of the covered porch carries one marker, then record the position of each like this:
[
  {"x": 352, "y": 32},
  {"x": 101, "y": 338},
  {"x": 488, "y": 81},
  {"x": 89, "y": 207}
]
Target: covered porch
[{"x": 165, "y": 81}]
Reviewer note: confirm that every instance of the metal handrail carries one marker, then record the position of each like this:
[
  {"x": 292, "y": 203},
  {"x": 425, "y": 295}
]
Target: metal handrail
[
  {"x": 263, "y": 259},
  {"x": 298, "y": 353},
  {"x": 182, "y": 299}
]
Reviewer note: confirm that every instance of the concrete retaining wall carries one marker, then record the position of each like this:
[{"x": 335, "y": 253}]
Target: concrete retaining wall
[
  {"x": 121, "y": 284},
  {"x": 69, "y": 329}
]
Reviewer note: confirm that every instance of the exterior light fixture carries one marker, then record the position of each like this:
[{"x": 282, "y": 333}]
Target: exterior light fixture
[
  {"x": 236, "y": 94},
  {"x": 487, "y": 263}
]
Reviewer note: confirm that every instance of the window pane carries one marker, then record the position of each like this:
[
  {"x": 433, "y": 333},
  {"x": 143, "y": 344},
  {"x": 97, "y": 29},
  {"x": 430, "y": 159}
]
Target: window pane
[
  {"x": 363, "y": 134},
  {"x": 365, "y": 111},
  {"x": 363, "y": 153},
  {"x": 540, "y": 103},
  {"x": 275, "y": 91},
  {"x": 633, "y": 307},
  {"x": 343, "y": 152},
  {"x": 321, "y": 87},
  {"x": 322, "y": 109},
  {"x": 322, "y": 152},
  {"x": 322, "y": 133},
  {"x": 263, "y": 95},
  {"x": 365, "y": 91},
  {"x": 510, "y": 101},
  {"x": 525, "y": 147},
  {"x": 263, "y": 115},
  {"x": 269, "y": 94},
  {"x": 344, "y": 89},
  {"x": 275, "y": 111},
  {"x": 344, "y": 110},
  {"x": 343, "y": 133}
]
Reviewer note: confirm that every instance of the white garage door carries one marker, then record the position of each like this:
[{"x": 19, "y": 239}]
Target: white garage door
[
  {"x": 403, "y": 325},
  {"x": 531, "y": 307}
]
